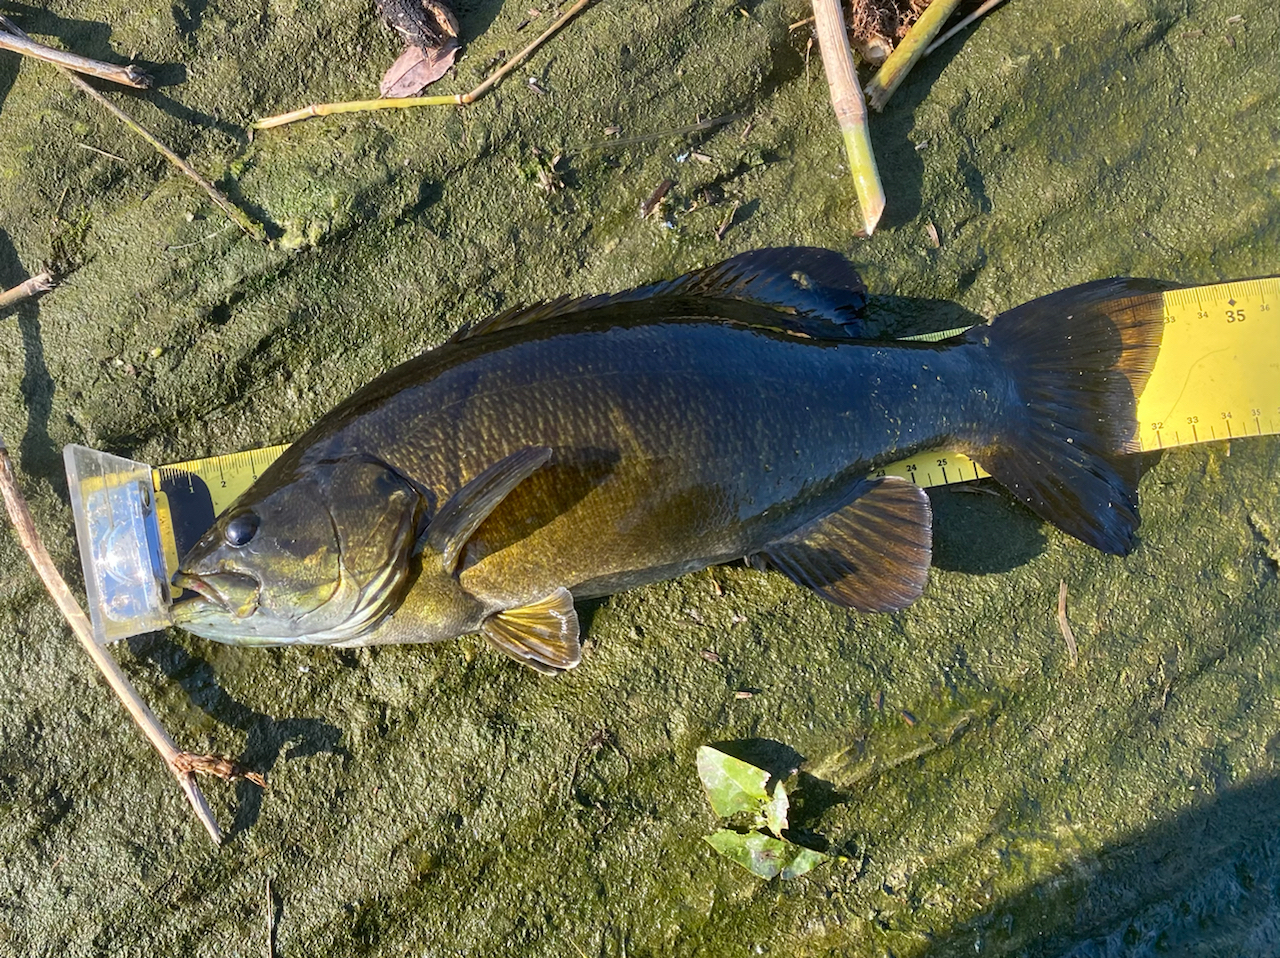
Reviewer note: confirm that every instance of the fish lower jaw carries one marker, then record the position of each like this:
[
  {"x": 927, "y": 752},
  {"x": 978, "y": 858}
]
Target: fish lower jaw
[
  {"x": 232, "y": 594},
  {"x": 209, "y": 620}
]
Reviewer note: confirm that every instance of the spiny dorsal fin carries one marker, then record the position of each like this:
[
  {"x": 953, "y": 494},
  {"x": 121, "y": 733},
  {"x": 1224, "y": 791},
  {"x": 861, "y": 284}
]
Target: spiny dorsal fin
[
  {"x": 458, "y": 518},
  {"x": 872, "y": 555},
  {"x": 811, "y": 290},
  {"x": 542, "y": 635}
]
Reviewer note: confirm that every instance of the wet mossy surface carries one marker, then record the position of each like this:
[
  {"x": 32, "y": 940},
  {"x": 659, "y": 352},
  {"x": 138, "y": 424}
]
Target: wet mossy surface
[{"x": 984, "y": 796}]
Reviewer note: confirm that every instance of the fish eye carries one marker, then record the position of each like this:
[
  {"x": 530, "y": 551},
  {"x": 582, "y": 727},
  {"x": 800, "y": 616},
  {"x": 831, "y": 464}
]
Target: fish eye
[{"x": 242, "y": 528}]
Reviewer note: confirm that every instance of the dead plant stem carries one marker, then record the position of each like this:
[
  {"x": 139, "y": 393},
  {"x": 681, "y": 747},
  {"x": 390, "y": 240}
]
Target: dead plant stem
[
  {"x": 250, "y": 226},
  {"x": 452, "y": 99},
  {"x": 851, "y": 111}
]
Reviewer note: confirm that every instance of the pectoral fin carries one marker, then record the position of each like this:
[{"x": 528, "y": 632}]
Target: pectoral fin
[
  {"x": 458, "y": 518},
  {"x": 872, "y": 555},
  {"x": 543, "y": 636}
]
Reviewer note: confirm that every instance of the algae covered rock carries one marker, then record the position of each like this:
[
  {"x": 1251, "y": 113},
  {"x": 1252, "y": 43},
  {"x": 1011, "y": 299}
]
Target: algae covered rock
[{"x": 985, "y": 798}]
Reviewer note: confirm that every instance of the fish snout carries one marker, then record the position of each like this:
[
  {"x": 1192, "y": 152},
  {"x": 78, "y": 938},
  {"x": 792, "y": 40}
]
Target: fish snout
[{"x": 232, "y": 593}]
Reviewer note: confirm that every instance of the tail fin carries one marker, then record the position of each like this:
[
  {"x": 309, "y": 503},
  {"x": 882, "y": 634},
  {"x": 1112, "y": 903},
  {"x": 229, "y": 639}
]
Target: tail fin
[{"x": 1078, "y": 360}]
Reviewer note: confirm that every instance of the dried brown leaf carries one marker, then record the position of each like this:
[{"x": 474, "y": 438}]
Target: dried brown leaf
[{"x": 415, "y": 68}]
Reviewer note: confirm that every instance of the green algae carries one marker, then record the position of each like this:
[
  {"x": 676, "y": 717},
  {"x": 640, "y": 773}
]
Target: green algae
[{"x": 986, "y": 797}]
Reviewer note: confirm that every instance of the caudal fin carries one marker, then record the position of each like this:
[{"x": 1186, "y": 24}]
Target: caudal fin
[{"x": 1078, "y": 359}]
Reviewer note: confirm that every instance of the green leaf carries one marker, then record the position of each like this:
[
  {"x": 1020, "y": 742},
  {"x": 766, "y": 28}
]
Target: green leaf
[
  {"x": 802, "y": 860},
  {"x": 764, "y": 855},
  {"x": 732, "y": 785},
  {"x": 775, "y": 813}
]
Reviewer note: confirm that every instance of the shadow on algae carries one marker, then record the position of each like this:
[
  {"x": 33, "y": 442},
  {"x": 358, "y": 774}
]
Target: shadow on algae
[{"x": 1205, "y": 882}]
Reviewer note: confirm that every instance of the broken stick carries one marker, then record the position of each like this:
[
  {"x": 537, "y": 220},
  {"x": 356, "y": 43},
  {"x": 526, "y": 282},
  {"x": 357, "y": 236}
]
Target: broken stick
[
  {"x": 129, "y": 75},
  {"x": 40, "y": 283}
]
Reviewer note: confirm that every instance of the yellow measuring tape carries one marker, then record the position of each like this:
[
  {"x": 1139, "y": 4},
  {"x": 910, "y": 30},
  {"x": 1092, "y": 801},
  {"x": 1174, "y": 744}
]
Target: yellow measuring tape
[{"x": 1217, "y": 376}]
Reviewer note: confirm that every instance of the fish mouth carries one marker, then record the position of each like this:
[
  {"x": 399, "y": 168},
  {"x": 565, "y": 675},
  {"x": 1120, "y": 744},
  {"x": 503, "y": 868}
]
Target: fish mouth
[{"x": 231, "y": 592}]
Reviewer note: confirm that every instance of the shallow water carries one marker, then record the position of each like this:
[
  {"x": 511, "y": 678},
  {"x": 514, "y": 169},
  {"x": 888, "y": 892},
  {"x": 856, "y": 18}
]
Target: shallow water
[{"x": 440, "y": 800}]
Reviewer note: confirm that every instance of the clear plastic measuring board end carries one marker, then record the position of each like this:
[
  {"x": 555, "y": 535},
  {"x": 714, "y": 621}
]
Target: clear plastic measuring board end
[{"x": 114, "y": 504}]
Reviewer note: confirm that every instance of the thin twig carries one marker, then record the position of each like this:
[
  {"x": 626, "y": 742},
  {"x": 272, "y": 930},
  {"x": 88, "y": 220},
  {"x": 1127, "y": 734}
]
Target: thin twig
[
  {"x": 851, "y": 111},
  {"x": 246, "y": 223},
  {"x": 1065, "y": 626},
  {"x": 524, "y": 54},
  {"x": 129, "y": 75},
  {"x": 453, "y": 99},
  {"x": 894, "y": 70},
  {"x": 982, "y": 11},
  {"x": 727, "y": 222},
  {"x": 271, "y": 922},
  {"x": 251, "y": 226},
  {"x": 142, "y": 716},
  {"x": 40, "y": 283},
  {"x": 94, "y": 149}
]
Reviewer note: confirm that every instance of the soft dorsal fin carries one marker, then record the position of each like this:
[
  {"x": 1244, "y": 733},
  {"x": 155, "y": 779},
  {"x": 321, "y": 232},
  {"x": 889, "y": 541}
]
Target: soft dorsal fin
[
  {"x": 810, "y": 290},
  {"x": 872, "y": 555},
  {"x": 458, "y": 518},
  {"x": 542, "y": 635}
]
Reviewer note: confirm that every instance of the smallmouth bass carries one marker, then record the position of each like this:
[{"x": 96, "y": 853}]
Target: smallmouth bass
[{"x": 585, "y": 446}]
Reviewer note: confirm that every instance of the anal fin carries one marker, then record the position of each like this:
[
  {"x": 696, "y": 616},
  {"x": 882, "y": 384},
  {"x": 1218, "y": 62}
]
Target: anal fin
[
  {"x": 542, "y": 635},
  {"x": 871, "y": 555}
]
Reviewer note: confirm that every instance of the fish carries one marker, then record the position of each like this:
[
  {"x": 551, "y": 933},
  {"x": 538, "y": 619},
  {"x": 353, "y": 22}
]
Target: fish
[{"x": 584, "y": 446}]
